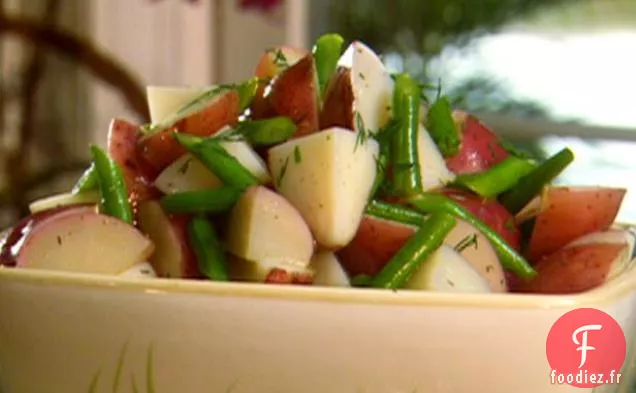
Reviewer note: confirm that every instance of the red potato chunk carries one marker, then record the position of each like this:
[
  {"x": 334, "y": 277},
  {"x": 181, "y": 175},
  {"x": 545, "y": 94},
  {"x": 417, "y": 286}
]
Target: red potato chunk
[
  {"x": 173, "y": 257},
  {"x": 12, "y": 237},
  {"x": 75, "y": 239},
  {"x": 161, "y": 149},
  {"x": 569, "y": 213},
  {"x": 491, "y": 212},
  {"x": 122, "y": 141},
  {"x": 337, "y": 110},
  {"x": 284, "y": 277},
  {"x": 375, "y": 243},
  {"x": 273, "y": 62},
  {"x": 294, "y": 94},
  {"x": 480, "y": 147},
  {"x": 572, "y": 270},
  {"x": 276, "y": 60}
]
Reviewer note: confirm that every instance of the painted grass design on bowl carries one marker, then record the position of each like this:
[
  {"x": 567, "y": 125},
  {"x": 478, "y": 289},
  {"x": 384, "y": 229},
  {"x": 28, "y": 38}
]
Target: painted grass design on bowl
[
  {"x": 150, "y": 376},
  {"x": 117, "y": 378}
]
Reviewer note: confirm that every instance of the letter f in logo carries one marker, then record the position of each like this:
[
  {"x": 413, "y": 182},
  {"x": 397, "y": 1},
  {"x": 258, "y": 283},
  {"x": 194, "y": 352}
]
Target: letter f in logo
[{"x": 583, "y": 344}]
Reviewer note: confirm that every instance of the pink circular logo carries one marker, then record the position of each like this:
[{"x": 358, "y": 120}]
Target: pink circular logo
[{"x": 586, "y": 348}]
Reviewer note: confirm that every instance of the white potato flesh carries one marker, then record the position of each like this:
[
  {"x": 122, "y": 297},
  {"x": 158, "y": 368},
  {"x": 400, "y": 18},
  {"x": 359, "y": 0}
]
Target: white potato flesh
[
  {"x": 433, "y": 170},
  {"x": 80, "y": 240},
  {"x": 447, "y": 271},
  {"x": 529, "y": 211},
  {"x": 246, "y": 156},
  {"x": 327, "y": 176},
  {"x": 371, "y": 84},
  {"x": 612, "y": 236},
  {"x": 533, "y": 208},
  {"x": 264, "y": 227},
  {"x": 479, "y": 253},
  {"x": 172, "y": 257},
  {"x": 165, "y": 101},
  {"x": 189, "y": 174},
  {"x": 140, "y": 270},
  {"x": 61, "y": 200},
  {"x": 186, "y": 174},
  {"x": 329, "y": 271}
]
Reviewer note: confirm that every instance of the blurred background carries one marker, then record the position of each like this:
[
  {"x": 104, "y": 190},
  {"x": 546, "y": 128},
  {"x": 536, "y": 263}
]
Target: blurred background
[{"x": 543, "y": 73}]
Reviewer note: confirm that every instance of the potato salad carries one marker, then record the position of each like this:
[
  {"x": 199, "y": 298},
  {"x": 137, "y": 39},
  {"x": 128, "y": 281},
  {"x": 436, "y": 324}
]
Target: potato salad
[{"x": 324, "y": 169}]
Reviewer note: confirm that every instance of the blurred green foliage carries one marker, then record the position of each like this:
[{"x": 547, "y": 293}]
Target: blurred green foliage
[
  {"x": 426, "y": 26},
  {"x": 418, "y": 30}
]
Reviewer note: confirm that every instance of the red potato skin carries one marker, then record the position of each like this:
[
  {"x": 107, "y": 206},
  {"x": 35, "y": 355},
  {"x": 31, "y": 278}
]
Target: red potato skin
[
  {"x": 283, "y": 277},
  {"x": 512, "y": 281},
  {"x": 491, "y": 212},
  {"x": 223, "y": 111},
  {"x": 337, "y": 109},
  {"x": 572, "y": 212},
  {"x": 161, "y": 149},
  {"x": 294, "y": 94},
  {"x": 373, "y": 246},
  {"x": 15, "y": 234},
  {"x": 266, "y": 69},
  {"x": 189, "y": 267},
  {"x": 571, "y": 270},
  {"x": 122, "y": 142},
  {"x": 260, "y": 107},
  {"x": 480, "y": 148}
]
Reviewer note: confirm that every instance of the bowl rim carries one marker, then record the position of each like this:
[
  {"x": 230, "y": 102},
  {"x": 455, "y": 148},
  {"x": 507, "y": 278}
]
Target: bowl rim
[{"x": 610, "y": 292}]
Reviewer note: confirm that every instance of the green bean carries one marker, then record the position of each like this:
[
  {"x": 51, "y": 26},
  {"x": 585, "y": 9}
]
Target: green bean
[
  {"x": 327, "y": 53},
  {"x": 228, "y": 169},
  {"x": 88, "y": 181},
  {"x": 508, "y": 256},
  {"x": 207, "y": 249},
  {"x": 210, "y": 201},
  {"x": 246, "y": 92},
  {"x": 395, "y": 213},
  {"x": 441, "y": 126},
  {"x": 361, "y": 281},
  {"x": 267, "y": 132},
  {"x": 497, "y": 179},
  {"x": 428, "y": 238},
  {"x": 405, "y": 164},
  {"x": 531, "y": 185},
  {"x": 112, "y": 187}
]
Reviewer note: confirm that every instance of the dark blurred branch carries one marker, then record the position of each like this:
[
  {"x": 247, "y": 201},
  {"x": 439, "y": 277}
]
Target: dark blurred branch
[
  {"x": 84, "y": 53},
  {"x": 2, "y": 81},
  {"x": 43, "y": 178},
  {"x": 17, "y": 160}
]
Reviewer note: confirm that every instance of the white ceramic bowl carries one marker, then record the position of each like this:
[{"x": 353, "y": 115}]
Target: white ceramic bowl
[{"x": 78, "y": 333}]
